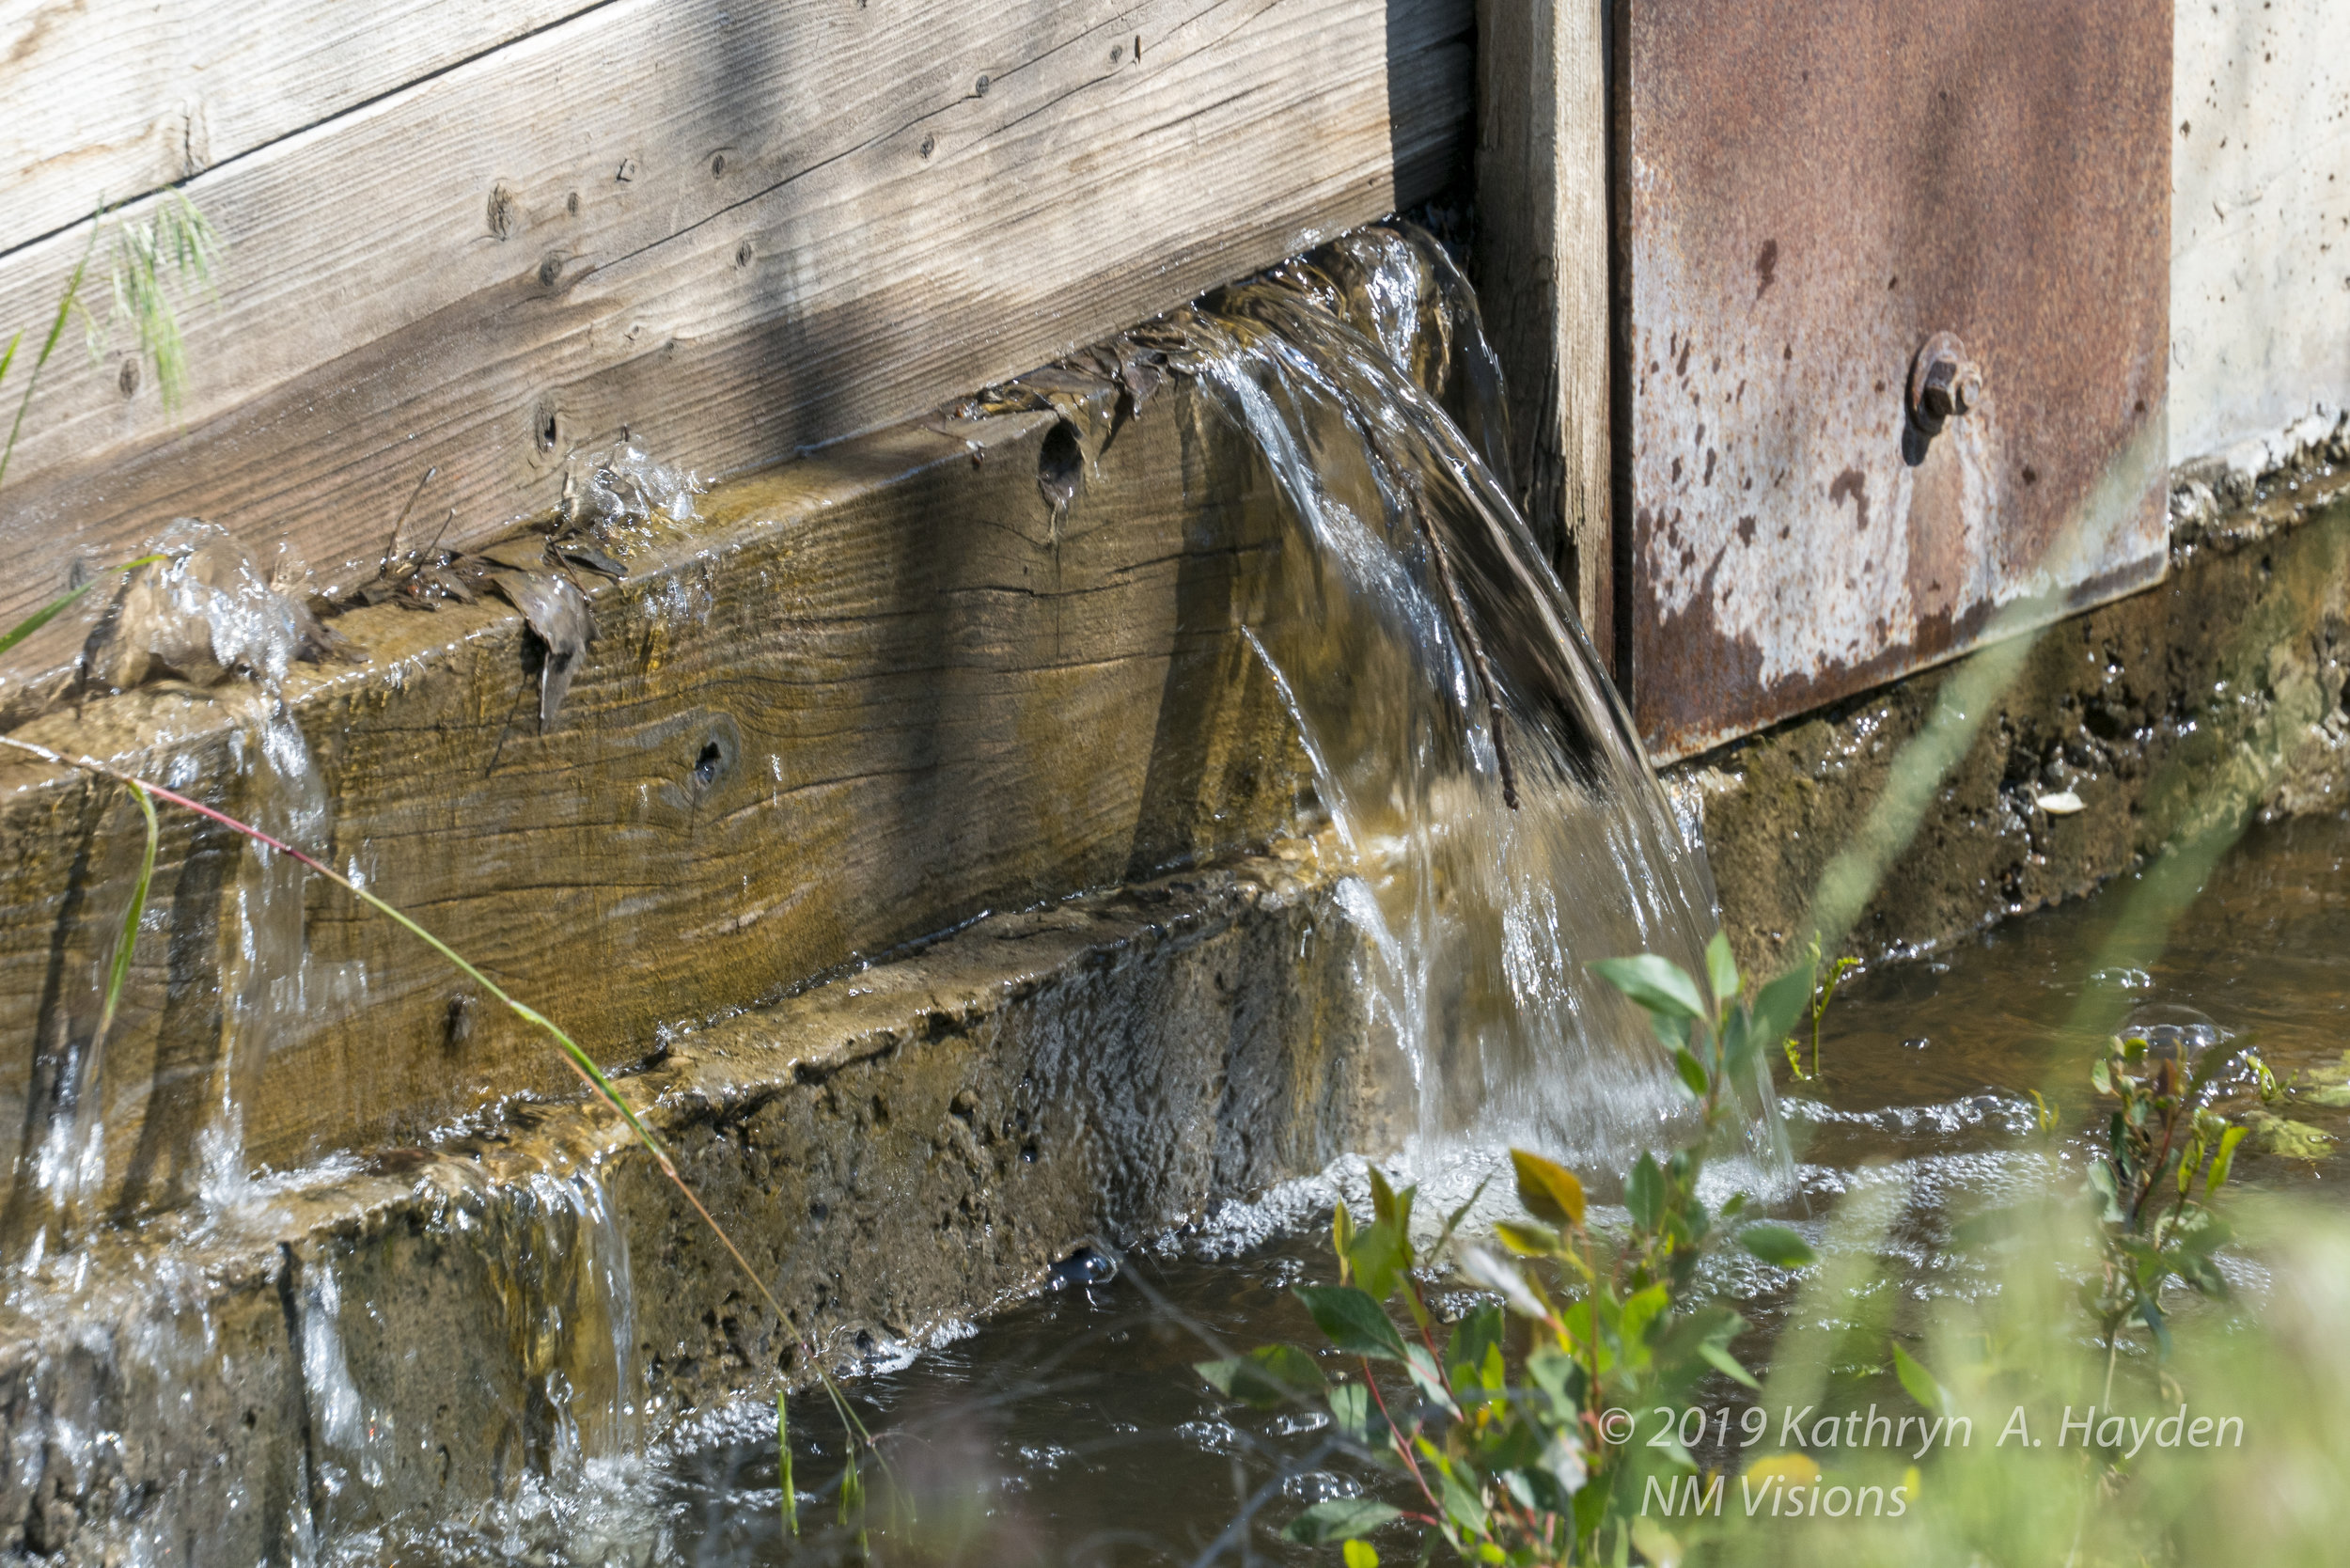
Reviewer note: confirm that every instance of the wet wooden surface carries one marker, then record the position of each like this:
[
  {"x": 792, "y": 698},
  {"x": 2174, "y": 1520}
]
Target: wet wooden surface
[
  {"x": 878, "y": 693},
  {"x": 739, "y": 232},
  {"x": 1542, "y": 276}
]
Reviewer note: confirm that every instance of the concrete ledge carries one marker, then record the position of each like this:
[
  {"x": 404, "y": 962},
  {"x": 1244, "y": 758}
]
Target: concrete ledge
[
  {"x": 893, "y": 1151},
  {"x": 2219, "y": 692}
]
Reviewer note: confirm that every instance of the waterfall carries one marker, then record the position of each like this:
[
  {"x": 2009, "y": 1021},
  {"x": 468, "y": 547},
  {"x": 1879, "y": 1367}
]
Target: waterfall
[{"x": 1503, "y": 826}]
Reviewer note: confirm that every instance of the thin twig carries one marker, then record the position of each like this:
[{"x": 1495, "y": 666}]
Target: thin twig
[{"x": 383, "y": 568}]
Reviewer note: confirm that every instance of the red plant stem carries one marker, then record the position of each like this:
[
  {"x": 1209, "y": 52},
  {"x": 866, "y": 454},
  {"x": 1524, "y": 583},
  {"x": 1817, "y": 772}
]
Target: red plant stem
[
  {"x": 1395, "y": 1435},
  {"x": 2169, "y": 1131}
]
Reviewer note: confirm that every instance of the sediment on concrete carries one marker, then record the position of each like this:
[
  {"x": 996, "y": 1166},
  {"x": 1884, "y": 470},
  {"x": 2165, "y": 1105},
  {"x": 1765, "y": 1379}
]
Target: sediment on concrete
[
  {"x": 862, "y": 698},
  {"x": 2215, "y": 695},
  {"x": 893, "y": 1151}
]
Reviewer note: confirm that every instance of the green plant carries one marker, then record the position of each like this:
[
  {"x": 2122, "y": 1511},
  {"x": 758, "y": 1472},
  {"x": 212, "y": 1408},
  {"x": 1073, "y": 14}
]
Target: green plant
[
  {"x": 1512, "y": 1456},
  {"x": 1823, "y": 994},
  {"x": 175, "y": 243},
  {"x": 2167, "y": 1153}
]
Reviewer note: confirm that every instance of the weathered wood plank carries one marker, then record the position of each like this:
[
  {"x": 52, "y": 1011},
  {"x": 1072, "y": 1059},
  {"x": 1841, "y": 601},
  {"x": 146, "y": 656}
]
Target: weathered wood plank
[
  {"x": 826, "y": 224},
  {"x": 1541, "y": 275},
  {"x": 881, "y": 692},
  {"x": 112, "y": 100}
]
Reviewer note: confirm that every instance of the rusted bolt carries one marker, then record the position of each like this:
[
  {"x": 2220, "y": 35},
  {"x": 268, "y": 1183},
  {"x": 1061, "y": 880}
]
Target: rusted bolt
[{"x": 1942, "y": 383}]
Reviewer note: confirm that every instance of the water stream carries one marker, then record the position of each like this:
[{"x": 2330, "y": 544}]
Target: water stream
[
  {"x": 1504, "y": 824},
  {"x": 1071, "y": 1430},
  {"x": 1502, "y": 828}
]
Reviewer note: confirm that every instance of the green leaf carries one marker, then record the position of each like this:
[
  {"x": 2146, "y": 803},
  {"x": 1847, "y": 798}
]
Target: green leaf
[
  {"x": 1360, "y": 1553},
  {"x": 1472, "y": 1358},
  {"x": 1268, "y": 1376},
  {"x": 1339, "y": 1519},
  {"x": 1739, "y": 1045},
  {"x": 1719, "y": 1356},
  {"x": 1429, "y": 1379},
  {"x": 1381, "y": 1197},
  {"x": 1549, "y": 1191},
  {"x": 2220, "y": 1165},
  {"x": 1657, "y": 983},
  {"x": 1559, "y": 1376},
  {"x": 1495, "y": 1275},
  {"x": 1644, "y": 1192},
  {"x": 1640, "y": 1310},
  {"x": 1352, "y": 1320},
  {"x": 1654, "y": 1544},
  {"x": 1777, "y": 1245},
  {"x": 1692, "y": 1076},
  {"x": 1357, "y": 1419},
  {"x": 1777, "y": 1005},
  {"x": 1528, "y": 1241},
  {"x": 1461, "y": 1506},
  {"x": 1721, "y": 969},
  {"x": 783, "y": 1468},
  {"x": 1381, "y": 1256},
  {"x": 1921, "y": 1385}
]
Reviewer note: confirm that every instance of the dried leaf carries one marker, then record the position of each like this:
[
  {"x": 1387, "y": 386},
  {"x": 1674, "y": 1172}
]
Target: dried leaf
[
  {"x": 559, "y": 616},
  {"x": 587, "y": 557}
]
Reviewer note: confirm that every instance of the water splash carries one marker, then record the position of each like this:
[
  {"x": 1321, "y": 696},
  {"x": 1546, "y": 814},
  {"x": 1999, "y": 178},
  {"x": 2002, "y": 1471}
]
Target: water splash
[
  {"x": 265, "y": 973},
  {"x": 621, "y": 489},
  {"x": 565, "y": 1298},
  {"x": 207, "y": 616},
  {"x": 1504, "y": 826}
]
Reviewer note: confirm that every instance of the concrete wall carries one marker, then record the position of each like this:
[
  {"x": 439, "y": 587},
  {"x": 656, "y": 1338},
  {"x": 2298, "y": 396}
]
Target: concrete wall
[{"x": 2260, "y": 223}]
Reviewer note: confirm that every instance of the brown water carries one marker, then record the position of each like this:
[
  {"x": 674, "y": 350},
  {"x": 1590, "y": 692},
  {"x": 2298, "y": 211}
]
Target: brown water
[{"x": 1070, "y": 1429}]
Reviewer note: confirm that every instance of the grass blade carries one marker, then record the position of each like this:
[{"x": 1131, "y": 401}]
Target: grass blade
[
  {"x": 50, "y": 611},
  {"x": 120, "y": 970},
  {"x": 783, "y": 1466},
  {"x": 66, "y": 303}
]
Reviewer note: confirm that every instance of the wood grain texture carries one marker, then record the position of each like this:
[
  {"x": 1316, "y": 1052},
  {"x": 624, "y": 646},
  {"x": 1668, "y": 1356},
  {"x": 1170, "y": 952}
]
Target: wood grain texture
[
  {"x": 112, "y": 100},
  {"x": 1542, "y": 276},
  {"x": 739, "y": 233},
  {"x": 877, "y": 695}
]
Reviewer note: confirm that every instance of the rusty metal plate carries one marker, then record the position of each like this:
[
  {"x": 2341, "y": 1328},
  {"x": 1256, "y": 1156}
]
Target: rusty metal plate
[{"x": 1811, "y": 191}]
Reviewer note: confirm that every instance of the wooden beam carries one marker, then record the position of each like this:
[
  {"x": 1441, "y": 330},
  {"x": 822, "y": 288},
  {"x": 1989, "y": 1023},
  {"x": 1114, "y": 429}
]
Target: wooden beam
[
  {"x": 1541, "y": 275},
  {"x": 866, "y": 698},
  {"x": 112, "y": 100},
  {"x": 739, "y": 233}
]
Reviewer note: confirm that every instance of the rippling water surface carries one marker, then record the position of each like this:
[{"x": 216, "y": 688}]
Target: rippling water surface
[{"x": 1070, "y": 1429}]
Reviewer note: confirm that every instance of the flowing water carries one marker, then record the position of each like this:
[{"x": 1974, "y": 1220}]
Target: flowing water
[
  {"x": 207, "y": 615},
  {"x": 1071, "y": 1430},
  {"x": 1503, "y": 829},
  {"x": 1425, "y": 650},
  {"x": 1504, "y": 826}
]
